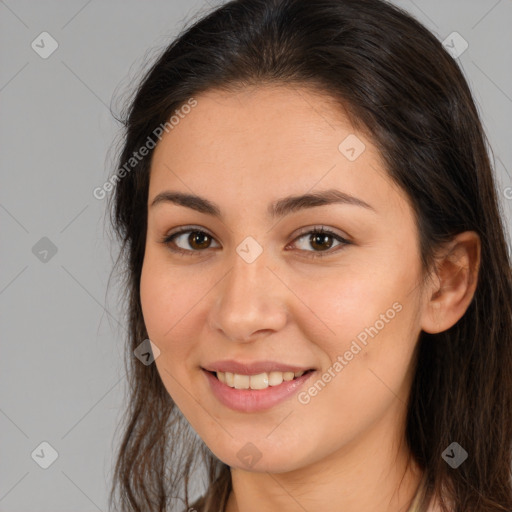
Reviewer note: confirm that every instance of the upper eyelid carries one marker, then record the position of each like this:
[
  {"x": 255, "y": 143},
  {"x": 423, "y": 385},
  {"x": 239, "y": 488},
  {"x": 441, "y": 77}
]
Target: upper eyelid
[
  {"x": 185, "y": 229},
  {"x": 319, "y": 227}
]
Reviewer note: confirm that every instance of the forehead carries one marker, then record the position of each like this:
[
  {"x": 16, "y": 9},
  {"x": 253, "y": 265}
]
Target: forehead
[
  {"x": 266, "y": 138},
  {"x": 265, "y": 122}
]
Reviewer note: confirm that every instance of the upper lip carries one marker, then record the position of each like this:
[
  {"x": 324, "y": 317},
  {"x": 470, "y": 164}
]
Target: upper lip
[{"x": 253, "y": 368}]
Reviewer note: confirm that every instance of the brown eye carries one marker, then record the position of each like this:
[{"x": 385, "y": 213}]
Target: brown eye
[
  {"x": 188, "y": 241},
  {"x": 321, "y": 240},
  {"x": 200, "y": 238}
]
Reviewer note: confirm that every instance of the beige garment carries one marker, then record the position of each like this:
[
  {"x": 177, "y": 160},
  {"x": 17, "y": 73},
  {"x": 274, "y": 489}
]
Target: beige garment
[{"x": 434, "y": 505}]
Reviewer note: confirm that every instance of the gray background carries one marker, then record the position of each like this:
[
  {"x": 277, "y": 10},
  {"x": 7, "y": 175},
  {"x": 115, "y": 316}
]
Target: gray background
[{"x": 61, "y": 375}]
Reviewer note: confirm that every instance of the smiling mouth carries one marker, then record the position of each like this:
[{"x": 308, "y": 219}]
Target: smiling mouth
[{"x": 255, "y": 382}]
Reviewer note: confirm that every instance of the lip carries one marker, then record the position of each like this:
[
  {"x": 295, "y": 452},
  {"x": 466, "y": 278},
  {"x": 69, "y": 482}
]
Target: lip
[
  {"x": 254, "y": 400},
  {"x": 253, "y": 368}
]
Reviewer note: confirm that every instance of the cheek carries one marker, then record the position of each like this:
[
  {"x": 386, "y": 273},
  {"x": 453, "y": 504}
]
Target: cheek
[
  {"x": 168, "y": 296},
  {"x": 167, "y": 304},
  {"x": 365, "y": 373},
  {"x": 365, "y": 326},
  {"x": 167, "y": 300},
  {"x": 338, "y": 307}
]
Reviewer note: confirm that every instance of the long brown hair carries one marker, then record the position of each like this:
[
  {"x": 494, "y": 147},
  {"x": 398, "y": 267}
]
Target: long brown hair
[{"x": 406, "y": 92}]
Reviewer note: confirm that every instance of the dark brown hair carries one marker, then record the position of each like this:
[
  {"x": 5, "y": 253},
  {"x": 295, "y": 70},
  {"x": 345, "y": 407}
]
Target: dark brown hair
[{"x": 408, "y": 94}]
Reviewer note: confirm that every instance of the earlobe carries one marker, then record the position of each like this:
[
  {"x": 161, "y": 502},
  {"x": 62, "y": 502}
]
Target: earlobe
[{"x": 454, "y": 283}]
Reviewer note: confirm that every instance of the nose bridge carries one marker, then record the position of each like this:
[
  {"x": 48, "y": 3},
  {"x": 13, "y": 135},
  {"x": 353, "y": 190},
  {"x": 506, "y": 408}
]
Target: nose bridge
[{"x": 250, "y": 298}]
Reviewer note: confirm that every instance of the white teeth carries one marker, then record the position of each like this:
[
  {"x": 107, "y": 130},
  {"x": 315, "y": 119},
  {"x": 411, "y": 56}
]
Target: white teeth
[
  {"x": 275, "y": 378},
  {"x": 260, "y": 381},
  {"x": 241, "y": 381},
  {"x": 230, "y": 381}
]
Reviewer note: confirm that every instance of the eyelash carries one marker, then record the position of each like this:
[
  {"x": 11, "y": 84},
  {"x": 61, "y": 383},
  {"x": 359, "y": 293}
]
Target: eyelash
[{"x": 168, "y": 240}]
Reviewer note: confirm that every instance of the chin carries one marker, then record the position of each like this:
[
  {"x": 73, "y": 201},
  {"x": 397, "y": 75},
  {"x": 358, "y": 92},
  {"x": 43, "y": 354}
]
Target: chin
[{"x": 254, "y": 458}]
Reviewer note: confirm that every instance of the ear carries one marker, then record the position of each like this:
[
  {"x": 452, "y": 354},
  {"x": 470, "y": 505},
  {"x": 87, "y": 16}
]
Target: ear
[{"x": 453, "y": 285}]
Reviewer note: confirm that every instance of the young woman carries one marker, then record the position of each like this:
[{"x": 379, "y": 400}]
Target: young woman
[{"x": 312, "y": 242}]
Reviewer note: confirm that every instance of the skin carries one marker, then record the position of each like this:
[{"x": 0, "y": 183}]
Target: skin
[{"x": 344, "y": 450}]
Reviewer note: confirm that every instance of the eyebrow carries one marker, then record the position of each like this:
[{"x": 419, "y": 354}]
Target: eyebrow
[{"x": 278, "y": 208}]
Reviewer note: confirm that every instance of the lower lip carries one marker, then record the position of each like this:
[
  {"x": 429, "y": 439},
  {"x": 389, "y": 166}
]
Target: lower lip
[{"x": 253, "y": 400}]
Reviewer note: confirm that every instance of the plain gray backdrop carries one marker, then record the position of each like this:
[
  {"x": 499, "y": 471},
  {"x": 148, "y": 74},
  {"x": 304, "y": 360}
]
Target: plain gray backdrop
[{"x": 62, "y": 374}]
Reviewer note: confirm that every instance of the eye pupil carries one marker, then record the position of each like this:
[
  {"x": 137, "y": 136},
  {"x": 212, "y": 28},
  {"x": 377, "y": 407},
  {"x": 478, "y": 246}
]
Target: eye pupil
[
  {"x": 318, "y": 238},
  {"x": 198, "y": 235}
]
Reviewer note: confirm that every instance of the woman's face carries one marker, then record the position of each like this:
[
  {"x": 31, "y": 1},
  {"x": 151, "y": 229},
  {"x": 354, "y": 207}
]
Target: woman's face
[{"x": 256, "y": 286}]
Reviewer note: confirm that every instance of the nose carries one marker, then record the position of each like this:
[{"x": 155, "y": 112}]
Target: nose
[{"x": 250, "y": 301}]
